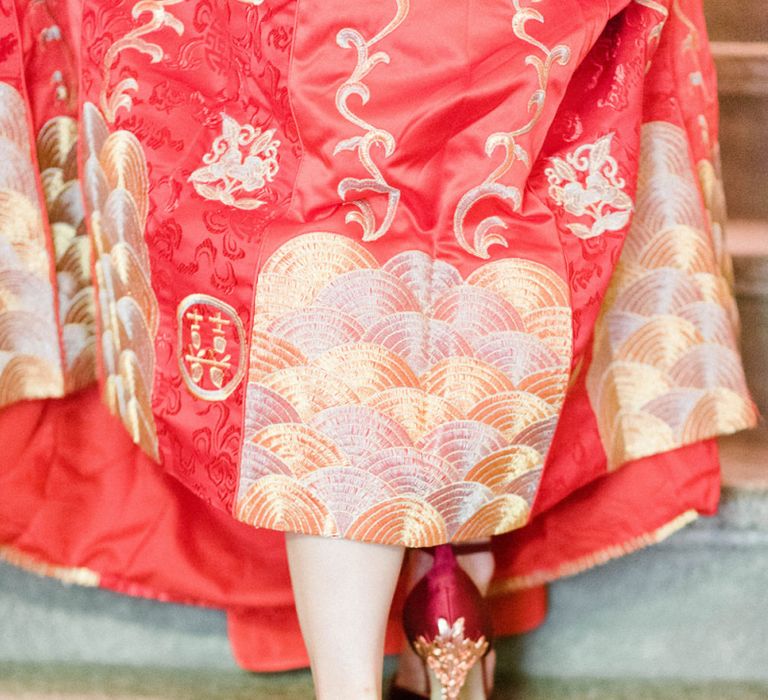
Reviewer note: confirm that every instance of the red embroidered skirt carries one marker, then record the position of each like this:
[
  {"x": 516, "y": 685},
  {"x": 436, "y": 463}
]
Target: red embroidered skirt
[{"x": 405, "y": 273}]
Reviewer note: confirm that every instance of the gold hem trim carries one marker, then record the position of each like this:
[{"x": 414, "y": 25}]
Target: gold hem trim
[
  {"x": 603, "y": 556},
  {"x": 66, "y": 574}
]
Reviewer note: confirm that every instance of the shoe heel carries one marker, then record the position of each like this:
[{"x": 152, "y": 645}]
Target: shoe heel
[{"x": 449, "y": 657}]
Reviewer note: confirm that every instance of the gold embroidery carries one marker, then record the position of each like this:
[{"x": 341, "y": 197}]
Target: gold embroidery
[
  {"x": 30, "y": 354},
  {"x": 77, "y": 575},
  {"x": 57, "y": 156},
  {"x": 116, "y": 188},
  {"x": 655, "y": 34},
  {"x": 349, "y": 38},
  {"x": 206, "y": 363},
  {"x": 586, "y": 184},
  {"x": 241, "y": 161},
  {"x": 484, "y": 237},
  {"x": 113, "y": 98},
  {"x": 437, "y": 402},
  {"x": 666, "y": 370}
]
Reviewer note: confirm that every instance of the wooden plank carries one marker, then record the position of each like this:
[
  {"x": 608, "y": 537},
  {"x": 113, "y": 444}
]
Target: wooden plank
[
  {"x": 744, "y": 148},
  {"x": 742, "y": 67},
  {"x": 746, "y": 238},
  {"x": 737, "y": 20}
]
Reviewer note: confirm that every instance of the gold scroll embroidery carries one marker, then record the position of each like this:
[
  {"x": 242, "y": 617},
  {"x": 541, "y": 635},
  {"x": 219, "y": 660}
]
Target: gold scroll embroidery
[
  {"x": 586, "y": 184},
  {"x": 484, "y": 236},
  {"x": 115, "y": 97},
  {"x": 666, "y": 370},
  {"x": 30, "y": 354},
  {"x": 399, "y": 403},
  {"x": 365, "y": 216},
  {"x": 241, "y": 161}
]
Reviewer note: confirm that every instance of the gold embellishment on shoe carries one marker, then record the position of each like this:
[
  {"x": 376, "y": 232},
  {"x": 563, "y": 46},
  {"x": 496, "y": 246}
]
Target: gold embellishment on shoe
[{"x": 450, "y": 655}]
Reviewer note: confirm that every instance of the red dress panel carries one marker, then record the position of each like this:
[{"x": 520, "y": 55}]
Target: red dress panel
[{"x": 407, "y": 273}]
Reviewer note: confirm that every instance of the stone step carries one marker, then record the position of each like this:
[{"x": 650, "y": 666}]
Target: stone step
[
  {"x": 748, "y": 243},
  {"x": 36, "y": 682},
  {"x": 691, "y": 608}
]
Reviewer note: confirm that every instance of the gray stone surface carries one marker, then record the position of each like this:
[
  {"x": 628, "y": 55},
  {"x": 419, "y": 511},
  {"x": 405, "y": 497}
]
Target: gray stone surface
[
  {"x": 692, "y": 607},
  {"x": 29, "y": 682},
  {"x": 44, "y": 620}
]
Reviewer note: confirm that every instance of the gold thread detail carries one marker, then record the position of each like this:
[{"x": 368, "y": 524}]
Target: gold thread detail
[
  {"x": 365, "y": 217},
  {"x": 77, "y": 575},
  {"x": 116, "y": 97},
  {"x": 438, "y": 404},
  {"x": 30, "y": 353},
  {"x": 57, "y": 157},
  {"x": 587, "y": 185},
  {"x": 241, "y": 161},
  {"x": 484, "y": 236},
  {"x": 666, "y": 370},
  {"x": 198, "y": 361}
]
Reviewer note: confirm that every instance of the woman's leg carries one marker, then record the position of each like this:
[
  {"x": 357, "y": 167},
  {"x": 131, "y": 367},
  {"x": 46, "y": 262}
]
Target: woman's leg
[
  {"x": 343, "y": 592},
  {"x": 410, "y": 669}
]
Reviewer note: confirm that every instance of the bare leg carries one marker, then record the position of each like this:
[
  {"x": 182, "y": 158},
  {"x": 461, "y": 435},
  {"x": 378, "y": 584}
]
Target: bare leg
[
  {"x": 410, "y": 669},
  {"x": 343, "y": 592}
]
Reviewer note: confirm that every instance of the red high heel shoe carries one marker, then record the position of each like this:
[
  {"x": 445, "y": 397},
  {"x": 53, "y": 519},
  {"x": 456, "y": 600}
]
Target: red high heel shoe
[{"x": 448, "y": 626}]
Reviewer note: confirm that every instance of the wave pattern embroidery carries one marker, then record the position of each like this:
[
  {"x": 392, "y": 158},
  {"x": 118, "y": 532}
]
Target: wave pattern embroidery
[
  {"x": 241, "y": 161},
  {"x": 666, "y": 370},
  {"x": 57, "y": 156},
  {"x": 586, "y": 184},
  {"x": 399, "y": 402},
  {"x": 484, "y": 237},
  {"x": 365, "y": 216},
  {"x": 30, "y": 354},
  {"x": 116, "y": 190}
]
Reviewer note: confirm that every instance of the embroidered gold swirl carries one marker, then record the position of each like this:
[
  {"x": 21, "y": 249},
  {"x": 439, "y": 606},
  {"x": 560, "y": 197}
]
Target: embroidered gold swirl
[
  {"x": 484, "y": 236},
  {"x": 30, "y": 354},
  {"x": 365, "y": 216},
  {"x": 113, "y": 98}
]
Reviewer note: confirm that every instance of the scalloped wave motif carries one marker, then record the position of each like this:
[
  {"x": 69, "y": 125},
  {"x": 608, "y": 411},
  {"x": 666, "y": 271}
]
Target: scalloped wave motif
[
  {"x": 57, "y": 156},
  {"x": 116, "y": 187},
  {"x": 666, "y": 370},
  {"x": 399, "y": 403},
  {"x": 30, "y": 353}
]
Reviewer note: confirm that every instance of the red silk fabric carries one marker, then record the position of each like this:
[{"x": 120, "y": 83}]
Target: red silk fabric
[{"x": 78, "y": 493}]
